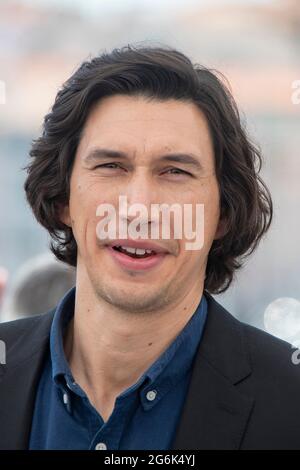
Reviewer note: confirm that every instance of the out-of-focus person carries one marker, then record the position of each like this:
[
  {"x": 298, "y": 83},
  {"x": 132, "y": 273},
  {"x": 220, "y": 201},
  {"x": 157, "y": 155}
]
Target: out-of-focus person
[
  {"x": 37, "y": 287},
  {"x": 3, "y": 282}
]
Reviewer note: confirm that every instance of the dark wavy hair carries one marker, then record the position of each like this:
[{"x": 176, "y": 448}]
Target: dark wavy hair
[{"x": 160, "y": 73}]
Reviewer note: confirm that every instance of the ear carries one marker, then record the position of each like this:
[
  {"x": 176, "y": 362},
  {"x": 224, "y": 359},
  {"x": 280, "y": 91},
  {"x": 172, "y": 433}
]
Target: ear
[
  {"x": 65, "y": 216},
  {"x": 221, "y": 229}
]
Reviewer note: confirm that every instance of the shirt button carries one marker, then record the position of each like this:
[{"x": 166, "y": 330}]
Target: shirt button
[
  {"x": 101, "y": 446},
  {"x": 66, "y": 398},
  {"x": 151, "y": 395}
]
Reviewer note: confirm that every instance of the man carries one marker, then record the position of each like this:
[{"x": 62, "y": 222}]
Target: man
[
  {"x": 3, "y": 282},
  {"x": 44, "y": 275},
  {"x": 139, "y": 355}
]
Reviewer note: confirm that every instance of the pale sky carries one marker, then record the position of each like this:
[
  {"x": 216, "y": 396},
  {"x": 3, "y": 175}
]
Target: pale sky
[{"x": 91, "y": 6}]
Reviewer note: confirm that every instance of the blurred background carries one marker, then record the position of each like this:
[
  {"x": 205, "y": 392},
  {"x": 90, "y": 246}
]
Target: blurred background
[{"x": 255, "y": 44}]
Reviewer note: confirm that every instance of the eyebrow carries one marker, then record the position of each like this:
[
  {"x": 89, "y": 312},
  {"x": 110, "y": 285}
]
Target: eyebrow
[{"x": 101, "y": 153}]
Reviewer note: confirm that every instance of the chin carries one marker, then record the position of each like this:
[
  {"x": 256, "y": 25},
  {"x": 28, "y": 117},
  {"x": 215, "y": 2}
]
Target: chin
[{"x": 135, "y": 300}]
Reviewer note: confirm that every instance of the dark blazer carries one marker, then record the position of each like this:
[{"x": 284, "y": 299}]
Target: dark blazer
[{"x": 244, "y": 391}]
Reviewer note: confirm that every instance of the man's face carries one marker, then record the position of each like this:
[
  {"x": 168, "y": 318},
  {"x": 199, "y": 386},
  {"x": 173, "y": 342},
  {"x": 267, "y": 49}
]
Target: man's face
[{"x": 145, "y": 132}]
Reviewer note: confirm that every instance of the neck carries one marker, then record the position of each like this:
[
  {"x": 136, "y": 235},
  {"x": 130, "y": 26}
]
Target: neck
[{"x": 109, "y": 349}]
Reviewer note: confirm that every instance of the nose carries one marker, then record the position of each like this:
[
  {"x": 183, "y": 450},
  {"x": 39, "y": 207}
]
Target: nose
[
  {"x": 140, "y": 193},
  {"x": 140, "y": 189}
]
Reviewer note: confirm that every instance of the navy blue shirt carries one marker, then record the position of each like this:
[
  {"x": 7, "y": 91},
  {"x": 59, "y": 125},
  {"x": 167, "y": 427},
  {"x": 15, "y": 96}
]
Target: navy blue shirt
[{"x": 145, "y": 415}]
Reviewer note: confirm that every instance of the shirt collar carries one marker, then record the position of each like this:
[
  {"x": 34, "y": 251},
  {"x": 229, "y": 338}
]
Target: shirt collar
[
  {"x": 158, "y": 379},
  {"x": 63, "y": 314}
]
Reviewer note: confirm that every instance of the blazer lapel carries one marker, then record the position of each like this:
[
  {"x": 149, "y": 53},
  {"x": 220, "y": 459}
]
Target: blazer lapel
[
  {"x": 215, "y": 413},
  {"x": 19, "y": 379}
]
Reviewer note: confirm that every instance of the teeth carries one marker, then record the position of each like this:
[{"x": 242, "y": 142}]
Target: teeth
[
  {"x": 137, "y": 251},
  {"x": 140, "y": 251},
  {"x": 129, "y": 249}
]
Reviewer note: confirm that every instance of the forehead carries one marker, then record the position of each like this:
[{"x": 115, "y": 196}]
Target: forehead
[{"x": 137, "y": 123}]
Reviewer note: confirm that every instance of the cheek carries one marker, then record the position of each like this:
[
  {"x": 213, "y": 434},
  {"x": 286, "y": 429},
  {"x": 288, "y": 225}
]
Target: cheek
[
  {"x": 211, "y": 213},
  {"x": 83, "y": 206},
  {"x": 84, "y": 197},
  {"x": 191, "y": 263}
]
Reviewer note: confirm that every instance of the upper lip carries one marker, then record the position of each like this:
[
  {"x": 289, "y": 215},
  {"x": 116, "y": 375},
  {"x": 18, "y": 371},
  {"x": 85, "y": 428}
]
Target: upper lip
[{"x": 147, "y": 245}]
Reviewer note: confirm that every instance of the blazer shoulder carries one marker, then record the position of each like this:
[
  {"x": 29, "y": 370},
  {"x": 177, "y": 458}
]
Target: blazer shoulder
[
  {"x": 272, "y": 356},
  {"x": 274, "y": 384},
  {"x": 34, "y": 325}
]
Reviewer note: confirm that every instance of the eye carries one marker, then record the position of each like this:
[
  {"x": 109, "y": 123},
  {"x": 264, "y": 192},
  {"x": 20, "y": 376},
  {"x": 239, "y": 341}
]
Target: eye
[
  {"x": 108, "y": 165},
  {"x": 178, "y": 171}
]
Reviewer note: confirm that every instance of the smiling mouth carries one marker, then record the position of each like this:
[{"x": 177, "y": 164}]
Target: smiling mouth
[{"x": 135, "y": 252}]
